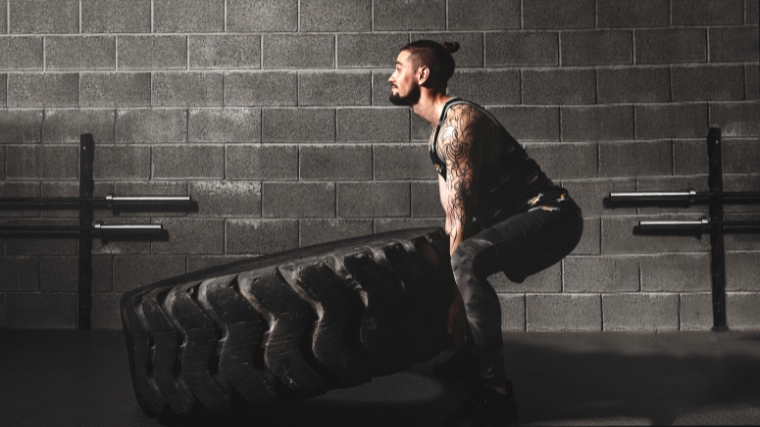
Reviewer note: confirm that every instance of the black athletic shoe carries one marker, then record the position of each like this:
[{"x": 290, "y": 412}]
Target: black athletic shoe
[
  {"x": 485, "y": 408},
  {"x": 464, "y": 363}
]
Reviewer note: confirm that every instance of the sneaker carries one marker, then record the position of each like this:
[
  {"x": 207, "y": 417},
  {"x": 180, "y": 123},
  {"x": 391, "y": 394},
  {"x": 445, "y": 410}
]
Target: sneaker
[
  {"x": 486, "y": 407},
  {"x": 464, "y": 363}
]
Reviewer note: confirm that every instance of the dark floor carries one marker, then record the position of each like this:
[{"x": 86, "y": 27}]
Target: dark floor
[{"x": 73, "y": 378}]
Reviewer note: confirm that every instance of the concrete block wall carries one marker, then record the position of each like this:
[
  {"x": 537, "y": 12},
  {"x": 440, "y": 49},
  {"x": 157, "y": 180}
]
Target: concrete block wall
[{"x": 273, "y": 115}]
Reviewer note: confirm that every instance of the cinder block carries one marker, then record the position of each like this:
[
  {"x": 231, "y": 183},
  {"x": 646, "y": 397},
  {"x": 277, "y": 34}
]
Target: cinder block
[
  {"x": 116, "y": 16},
  {"x": 487, "y": 86},
  {"x": 46, "y": 16},
  {"x": 382, "y": 199},
  {"x": 743, "y": 271},
  {"x": 114, "y": 90},
  {"x": 3, "y": 90},
  {"x": 105, "y": 312},
  {"x": 268, "y": 88},
  {"x": 563, "y": 312},
  {"x": 114, "y": 162},
  {"x": 529, "y": 123},
  {"x": 226, "y": 125},
  {"x": 381, "y": 88},
  {"x": 643, "y": 13},
  {"x": 21, "y": 53},
  {"x": 151, "y": 126},
  {"x": 298, "y": 200},
  {"x": 262, "y": 162},
  {"x": 40, "y": 245},
  {"x": 589, "y": 194},
  {"x": 316, "y": 231},
  {"x": 20, "y": 126},
  {"x": 597, "y": 123},
  {"x": 123, "y": 247},
  {"x": 40, "y": 311},
  {"x": 671, "y": 46},
  {"x": 548, "y": 280},
  {"x": 202, "y": 262},
  {"x": 42, "y": 162},
  {"x": 619, "y": 159},
  {"x": 565, "y": 160},
  {"x": 330, "y": 162},
  {"x": 59, "y": 274},
  {"x": 200, "y": 162},
  {"x": 671, "y": 183},
  {"x": 334, "y": 88},
  {"x": 217, "y": 199},
  {"x": 671, "y": 121},
  {"x": 19, "y": 189},
  {"x": 247, "y": 236},
  {"x": 403, "y": 162},
  {"x": 740, "y": 182},
  {"x": 690, "y": 157},
  {"x": 67, "y": 126},
  {"x": 102, "y": 273},
  {"x": 741, "y": 310},
  {"x": 618, "y": 237},
  {"x": 558, "y": 87},
  {"x": 336, "y": 15},
  {"x": 2, "y": 162},
  {"x": 470, "y": 53},
  {"x": 483, "y": 14},
  {"x": 708, "y": 83},
  {"x": 603, "y": 274},
  {"x": 590, "y": 243},
  {"x": 43, "y": 90},
  {"x": 426, "y": 201},
  {"x": 675, "y": 273},
  {"x": 752, "y": 81},
  {"x": 408, "y": 15},
  {"x": 301, "y": 51},
  {"x": 512, "y": 312},
  {"x": 372, "y": 124},
  {"x": 558, "y": 13},
  {"x": 706, "y": 12},
  {"x": 190, "y": 236},
  {"x": 19, "y": 273},
  {"x": 736, "y": 119},
  {"x": 739, "y": 156},
  {"x": 696, "y": 312},
  {"x": 187, "y": 90},
  {"x": 80, "y": 53},
  {"x": 262, "y": 15},
  {"x": 392, "y": 224},
  {"x": 298, "y": 125},
  {"x": 59, "y": 189},
  {"x": 369, "y": 50},
  {"x": 152, "y": 52},
  {"x": 225, "y": 51},
  {"x": 516, "y": 48},
  {"x": 752, "y": 12},
  {"x": 3, "y": 30},
  {"x": 131, "y": 272},
  {"x": 640, "y": 312},
  {"x": 176, "y": 16},
  {"x": 637, "y": 85},
  {"x": 597, "y": 47}
]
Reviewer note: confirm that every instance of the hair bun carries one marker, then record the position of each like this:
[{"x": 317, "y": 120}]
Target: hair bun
[{"x": 451, "y": 47}]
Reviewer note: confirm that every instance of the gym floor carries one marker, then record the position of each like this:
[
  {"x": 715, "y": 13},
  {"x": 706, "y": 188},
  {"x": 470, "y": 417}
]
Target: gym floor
[{"x": 77, "y": 378}]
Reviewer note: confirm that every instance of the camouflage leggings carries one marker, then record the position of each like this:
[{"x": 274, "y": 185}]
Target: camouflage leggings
[{"x": 520, "y": 246}]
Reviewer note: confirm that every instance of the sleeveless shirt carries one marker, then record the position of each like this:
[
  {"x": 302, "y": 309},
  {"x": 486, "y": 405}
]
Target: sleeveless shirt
[{"x": 509, "y": 183}]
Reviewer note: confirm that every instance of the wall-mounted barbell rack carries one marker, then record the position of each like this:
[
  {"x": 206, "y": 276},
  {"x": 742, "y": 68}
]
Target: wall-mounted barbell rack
[
  {"x": 715, "y": 225},
  {"x": 86, "y": 230}
]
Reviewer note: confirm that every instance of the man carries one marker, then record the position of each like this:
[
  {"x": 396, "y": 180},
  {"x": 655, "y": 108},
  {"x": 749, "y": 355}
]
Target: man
[{"x": 502, "y": 214}]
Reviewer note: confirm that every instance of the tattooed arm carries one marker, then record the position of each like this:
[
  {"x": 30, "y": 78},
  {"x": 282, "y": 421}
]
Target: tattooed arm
[{"x": 458, "y": 148}]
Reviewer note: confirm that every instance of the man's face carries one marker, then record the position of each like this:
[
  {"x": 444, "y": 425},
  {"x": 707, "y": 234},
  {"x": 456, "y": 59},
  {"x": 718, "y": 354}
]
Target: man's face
[{"x": 404, "y": 87}]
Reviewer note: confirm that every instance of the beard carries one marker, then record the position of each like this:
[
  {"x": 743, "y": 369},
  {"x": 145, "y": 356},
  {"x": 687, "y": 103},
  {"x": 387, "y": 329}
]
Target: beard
[{"x": 410, "y": 99}]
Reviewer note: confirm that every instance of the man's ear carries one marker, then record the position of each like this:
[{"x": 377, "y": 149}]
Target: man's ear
[{"x": 423, "y": 75}]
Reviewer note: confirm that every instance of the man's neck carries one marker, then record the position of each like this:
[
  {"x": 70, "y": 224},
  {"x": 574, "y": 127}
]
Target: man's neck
[{"x": 430, "y": 106}]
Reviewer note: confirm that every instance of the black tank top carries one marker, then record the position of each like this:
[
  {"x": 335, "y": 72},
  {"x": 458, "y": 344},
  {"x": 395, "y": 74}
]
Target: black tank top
[{"x": 509, "y": 182}]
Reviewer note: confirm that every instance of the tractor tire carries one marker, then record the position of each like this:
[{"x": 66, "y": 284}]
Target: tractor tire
[{"x": 289, "y": 325}]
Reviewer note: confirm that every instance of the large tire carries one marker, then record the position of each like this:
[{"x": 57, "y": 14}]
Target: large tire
[{"x": 290, "y": 325}]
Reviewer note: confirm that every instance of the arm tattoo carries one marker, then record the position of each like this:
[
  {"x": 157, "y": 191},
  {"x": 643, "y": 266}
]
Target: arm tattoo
[{"x": 461, "y": 154}]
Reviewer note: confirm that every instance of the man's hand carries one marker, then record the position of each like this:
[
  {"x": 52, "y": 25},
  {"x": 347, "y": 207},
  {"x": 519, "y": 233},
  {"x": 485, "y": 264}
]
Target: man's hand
[{"x": 457, "y": 321}]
